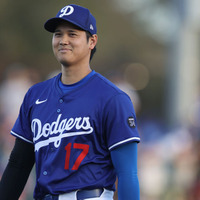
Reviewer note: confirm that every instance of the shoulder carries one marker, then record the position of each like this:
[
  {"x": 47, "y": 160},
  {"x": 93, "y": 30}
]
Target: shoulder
[
  {"x": 39, "y": 89},
  {"x": 109, "y": 91},
  {"x": 108, "y": 88},
  {"x": 110, "y": 96}
]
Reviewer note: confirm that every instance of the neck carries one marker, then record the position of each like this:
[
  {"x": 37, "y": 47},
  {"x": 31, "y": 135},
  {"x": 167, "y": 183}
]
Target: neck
[{"x": 71, "y": 75}]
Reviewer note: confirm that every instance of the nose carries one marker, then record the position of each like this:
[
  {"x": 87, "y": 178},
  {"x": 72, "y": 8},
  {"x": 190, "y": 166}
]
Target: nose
[{"x": 64, "y": 40}]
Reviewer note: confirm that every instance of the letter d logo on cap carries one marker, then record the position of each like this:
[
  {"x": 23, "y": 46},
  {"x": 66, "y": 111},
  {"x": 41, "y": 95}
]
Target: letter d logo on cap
[{"x": 67, "y": 10}]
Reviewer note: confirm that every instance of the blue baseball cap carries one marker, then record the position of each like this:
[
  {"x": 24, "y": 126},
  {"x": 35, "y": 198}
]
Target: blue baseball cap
[{"x": 76, "y": 15}]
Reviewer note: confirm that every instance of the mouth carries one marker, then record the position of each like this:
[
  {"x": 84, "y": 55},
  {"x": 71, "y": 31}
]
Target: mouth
[{"x": 64, "y": 50}]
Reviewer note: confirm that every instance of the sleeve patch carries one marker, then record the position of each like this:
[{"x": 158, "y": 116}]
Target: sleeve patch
[{"x": 131, "y": 122}]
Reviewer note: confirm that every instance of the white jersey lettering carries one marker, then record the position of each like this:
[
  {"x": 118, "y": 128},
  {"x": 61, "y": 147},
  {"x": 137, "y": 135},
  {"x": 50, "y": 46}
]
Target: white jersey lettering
[{"x": 59, "y": 129}]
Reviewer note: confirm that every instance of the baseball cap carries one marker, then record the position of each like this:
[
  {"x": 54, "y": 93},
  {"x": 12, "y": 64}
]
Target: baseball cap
[{"x": 76, "y": 15}]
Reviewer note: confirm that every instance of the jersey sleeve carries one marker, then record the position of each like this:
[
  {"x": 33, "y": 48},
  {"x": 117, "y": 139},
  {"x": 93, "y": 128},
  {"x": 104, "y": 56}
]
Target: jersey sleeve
[
  {"x": 22, "y": 128},
  {"x": 120, "y": 121}
]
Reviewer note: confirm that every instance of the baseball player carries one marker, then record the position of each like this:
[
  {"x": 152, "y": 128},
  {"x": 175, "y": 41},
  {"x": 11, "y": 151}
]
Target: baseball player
[{"x": 78, "y": 128}]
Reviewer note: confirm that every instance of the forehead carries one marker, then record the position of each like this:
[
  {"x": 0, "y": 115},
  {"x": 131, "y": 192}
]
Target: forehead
[{"x": 67, "y": 25}]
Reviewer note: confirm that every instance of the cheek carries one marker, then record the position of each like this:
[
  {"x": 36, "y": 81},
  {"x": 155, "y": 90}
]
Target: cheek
[
  {"x": 54, "y": 45},
  {"x": 83, "y": 46}
]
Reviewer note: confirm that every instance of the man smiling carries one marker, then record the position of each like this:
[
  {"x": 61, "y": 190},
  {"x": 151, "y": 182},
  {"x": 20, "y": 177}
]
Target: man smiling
[
  {"x": 78, "y": 128},
  {"x": 72, "y": 50}
]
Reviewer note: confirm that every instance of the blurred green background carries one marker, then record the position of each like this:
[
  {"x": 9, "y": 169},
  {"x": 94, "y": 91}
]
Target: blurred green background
[{"x": 150, "y": 49}]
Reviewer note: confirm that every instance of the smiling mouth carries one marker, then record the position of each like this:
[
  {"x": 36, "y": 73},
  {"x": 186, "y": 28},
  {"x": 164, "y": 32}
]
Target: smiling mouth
[{"x": 64, "y": 50}]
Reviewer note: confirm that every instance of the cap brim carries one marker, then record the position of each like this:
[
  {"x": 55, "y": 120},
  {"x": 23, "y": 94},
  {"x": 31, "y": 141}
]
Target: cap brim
[{"x": 52, "y": 23}]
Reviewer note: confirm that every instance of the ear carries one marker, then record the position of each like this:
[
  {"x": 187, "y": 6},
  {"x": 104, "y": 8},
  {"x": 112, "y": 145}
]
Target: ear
[{"x": 93, "y": 41}]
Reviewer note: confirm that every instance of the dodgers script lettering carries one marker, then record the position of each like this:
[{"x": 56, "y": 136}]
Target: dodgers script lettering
[{"x": 55, "y": 131}]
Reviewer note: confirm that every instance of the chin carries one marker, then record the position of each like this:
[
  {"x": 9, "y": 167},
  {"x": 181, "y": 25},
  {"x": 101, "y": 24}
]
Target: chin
[{"x": 64, "y": 62}]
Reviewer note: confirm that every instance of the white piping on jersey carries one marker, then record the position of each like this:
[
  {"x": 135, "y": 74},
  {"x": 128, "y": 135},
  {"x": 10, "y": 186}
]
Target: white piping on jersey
[
  {"x": 19, "y": 136},
  {"x": 124, "y": 141},
  {"x": 60, "y": 128}
]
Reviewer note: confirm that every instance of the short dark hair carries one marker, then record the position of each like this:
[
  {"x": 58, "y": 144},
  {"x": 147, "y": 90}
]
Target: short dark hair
[{"x": 88, "y": 35}]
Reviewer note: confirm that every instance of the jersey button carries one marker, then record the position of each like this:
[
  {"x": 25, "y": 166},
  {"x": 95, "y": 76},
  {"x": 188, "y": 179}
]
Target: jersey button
[
  {"x": 61, "y": 100},
  {"x": 58, "y": 110},
  {"x": 52, "y": 149},
  {"x": 45, "y": 173}
]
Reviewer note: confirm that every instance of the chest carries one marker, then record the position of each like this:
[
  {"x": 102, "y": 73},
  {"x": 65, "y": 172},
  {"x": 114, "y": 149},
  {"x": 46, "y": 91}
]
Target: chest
[{"x": 56, "y": 118}]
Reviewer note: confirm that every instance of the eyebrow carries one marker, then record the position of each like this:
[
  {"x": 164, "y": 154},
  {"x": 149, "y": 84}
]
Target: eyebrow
[{"x": 70, "y": 30}]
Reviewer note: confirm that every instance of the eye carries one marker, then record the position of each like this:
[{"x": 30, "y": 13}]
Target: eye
[
  {"x": 57, "y": 34},
  {"x": 72, "y": 34}
]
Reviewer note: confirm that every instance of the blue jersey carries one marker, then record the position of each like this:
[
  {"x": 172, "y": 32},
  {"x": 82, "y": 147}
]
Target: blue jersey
[{"x": 74, "y": 133}]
